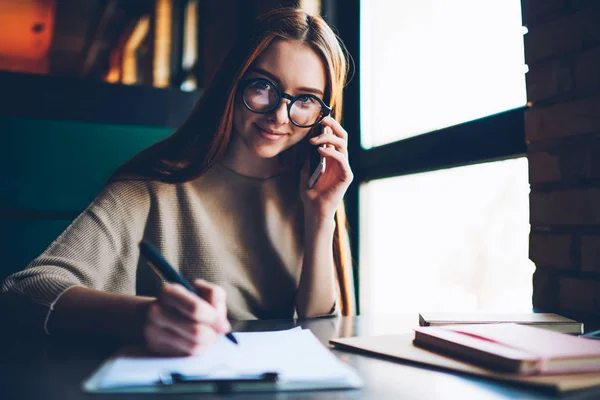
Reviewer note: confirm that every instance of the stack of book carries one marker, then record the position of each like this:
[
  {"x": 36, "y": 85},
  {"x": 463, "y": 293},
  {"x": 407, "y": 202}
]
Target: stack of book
[
  {"x": 535, "y": 351},
  {"x": 550, "y": 321},
  {"x": 513, "y": 348}
]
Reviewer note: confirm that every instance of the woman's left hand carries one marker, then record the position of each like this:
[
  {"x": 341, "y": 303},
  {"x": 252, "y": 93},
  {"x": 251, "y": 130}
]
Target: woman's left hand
[{"x": 324, "y": 197}]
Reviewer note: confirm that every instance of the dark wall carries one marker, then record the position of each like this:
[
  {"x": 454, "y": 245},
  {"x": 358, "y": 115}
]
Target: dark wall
[
  {"x": 562, "y": 127},
  {"x": 50, "y": 171}
]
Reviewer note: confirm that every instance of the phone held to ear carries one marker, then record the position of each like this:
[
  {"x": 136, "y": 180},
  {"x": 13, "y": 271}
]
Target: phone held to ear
[{"x": 317, "y": 164}]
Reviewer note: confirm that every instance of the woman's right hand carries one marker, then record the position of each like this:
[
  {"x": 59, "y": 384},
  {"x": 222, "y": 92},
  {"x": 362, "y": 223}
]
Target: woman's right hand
[{"x": 180, "y": 323}]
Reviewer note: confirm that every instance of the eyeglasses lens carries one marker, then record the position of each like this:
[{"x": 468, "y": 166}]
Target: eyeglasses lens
[{"x": 262, "y": 97}]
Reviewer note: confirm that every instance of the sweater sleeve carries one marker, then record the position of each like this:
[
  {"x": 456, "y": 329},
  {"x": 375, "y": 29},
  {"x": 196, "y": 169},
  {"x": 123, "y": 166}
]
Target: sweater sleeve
[{"x": 98, "y": 250}]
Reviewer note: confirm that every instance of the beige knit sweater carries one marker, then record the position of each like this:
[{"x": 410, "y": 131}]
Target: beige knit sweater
[{"x": 243, "y": 233}]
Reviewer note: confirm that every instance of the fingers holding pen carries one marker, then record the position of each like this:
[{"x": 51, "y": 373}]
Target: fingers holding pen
[
  {"x": 180, "y": 322},
  {"x": 164, "y": 342},
  {"x": 212, "y": 293},
  {"x": 193, "y": 333},
  {"x": 216, "y": 296},
  {"x": 164, "y": 337},
  {"x": 182, "y": 318},
  {"x": 195, "y": 308}
]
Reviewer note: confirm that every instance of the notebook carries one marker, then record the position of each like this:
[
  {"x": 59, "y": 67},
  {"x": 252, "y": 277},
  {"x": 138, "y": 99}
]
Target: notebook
[
  {"x": 263, "y": 361},
  {"x": 400, "y": 347},
  {"x": 549, "y": 321},
  {"x": 513, "y": 348}
]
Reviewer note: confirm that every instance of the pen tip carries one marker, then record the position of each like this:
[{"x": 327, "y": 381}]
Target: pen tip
[{"x": 231, "y": 337}]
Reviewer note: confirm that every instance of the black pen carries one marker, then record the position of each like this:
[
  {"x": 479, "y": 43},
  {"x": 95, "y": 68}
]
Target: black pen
[{"x": 168, "y": 273}]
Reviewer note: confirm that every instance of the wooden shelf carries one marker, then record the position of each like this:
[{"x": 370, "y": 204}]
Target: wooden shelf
[{"x": 64, "y": 98}]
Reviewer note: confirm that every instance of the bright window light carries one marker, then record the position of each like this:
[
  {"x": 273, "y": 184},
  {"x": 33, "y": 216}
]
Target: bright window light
[
  {"x": 449, "y": 240},
  {"x": 430, "y": 64}
]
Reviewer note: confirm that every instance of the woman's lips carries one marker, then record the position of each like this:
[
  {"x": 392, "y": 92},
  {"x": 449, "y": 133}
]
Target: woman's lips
[{"x": 272, "y": 136}]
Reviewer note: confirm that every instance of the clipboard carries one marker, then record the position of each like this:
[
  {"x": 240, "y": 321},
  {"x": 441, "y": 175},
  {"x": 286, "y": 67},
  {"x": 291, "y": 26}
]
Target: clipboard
[
  {"x": 179, "y": 383},
  {"x": 292, "y": 360}
]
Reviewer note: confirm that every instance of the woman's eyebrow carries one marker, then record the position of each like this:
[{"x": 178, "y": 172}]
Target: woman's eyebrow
[{"x": 278, "y": 82}]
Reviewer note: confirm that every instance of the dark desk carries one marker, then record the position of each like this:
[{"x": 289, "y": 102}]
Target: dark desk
[{"x": 47, "y": 368}]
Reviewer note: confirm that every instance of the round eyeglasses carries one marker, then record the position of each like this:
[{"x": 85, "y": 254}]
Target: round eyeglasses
[{"x": 261, "y": 96}]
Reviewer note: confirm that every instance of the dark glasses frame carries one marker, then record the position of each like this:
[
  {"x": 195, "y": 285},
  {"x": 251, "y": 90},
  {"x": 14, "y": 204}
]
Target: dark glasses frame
[{"x": 325, "y": 109}]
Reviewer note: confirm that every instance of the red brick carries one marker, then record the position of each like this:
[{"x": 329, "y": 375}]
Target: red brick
[
  {"x": 533, "y": 9},
  {"x": 545, "y": 290},
  {"x": 563, "y": 78},
  {"x": 579, "y": 296},
  {"x": 593, "y": 159},
  {"x": 572, "y": 161},
  {"x": 550, "y": 250},
  {"x": 587, "y": 69},
  {"x": 548, "y": 80},
  {"x": 563, "y": 120},
  {"x": 578, "y": 206},
  {"x": 566, "y": 34},
  {"x": 590, "y": 254},
  {"x": 543, "y": 168}
]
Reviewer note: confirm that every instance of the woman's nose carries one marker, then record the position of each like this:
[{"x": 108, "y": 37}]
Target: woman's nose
[{"x": 280, "y": 114}]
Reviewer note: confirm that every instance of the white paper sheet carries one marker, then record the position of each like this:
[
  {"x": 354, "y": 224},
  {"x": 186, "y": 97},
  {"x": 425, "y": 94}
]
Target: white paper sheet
[{"x": 295, "y": 354}]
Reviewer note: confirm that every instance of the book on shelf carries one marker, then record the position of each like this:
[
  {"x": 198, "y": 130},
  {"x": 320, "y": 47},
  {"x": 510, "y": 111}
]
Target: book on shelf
[
  {"x": 553, "y": 322},
  {"x": 513, "y": 348}
]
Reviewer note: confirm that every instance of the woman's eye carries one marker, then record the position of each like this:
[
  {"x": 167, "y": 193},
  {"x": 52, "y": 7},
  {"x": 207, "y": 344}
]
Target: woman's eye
[
  {"x": 305, "y": 99},
  {"x": 261, "y": 85}
]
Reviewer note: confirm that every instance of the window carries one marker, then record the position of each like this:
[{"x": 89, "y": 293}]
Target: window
[
  {"x": 436, "y": 63},
  {"x": 448, "y": 240},
  {"x": 311, "y": 7},
  {"x": 440, "y": 201}
]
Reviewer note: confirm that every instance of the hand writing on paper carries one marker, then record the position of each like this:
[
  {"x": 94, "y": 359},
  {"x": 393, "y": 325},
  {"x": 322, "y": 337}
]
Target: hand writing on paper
[{"x": 179, "y": 323}]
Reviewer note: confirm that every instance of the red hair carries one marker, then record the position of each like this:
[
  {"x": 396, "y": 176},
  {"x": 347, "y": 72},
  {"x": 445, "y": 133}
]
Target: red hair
[{"x": 203, "y": 138}]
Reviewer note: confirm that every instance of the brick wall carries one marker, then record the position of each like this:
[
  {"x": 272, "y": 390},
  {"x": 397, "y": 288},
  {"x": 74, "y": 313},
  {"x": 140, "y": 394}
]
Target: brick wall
[{"x": 562, "y": 128}]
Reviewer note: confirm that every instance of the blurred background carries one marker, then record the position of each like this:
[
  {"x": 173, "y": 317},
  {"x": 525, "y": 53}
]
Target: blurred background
[
  {"x": 114, "y": 76},
  {"x": 450, "y": 206},
  {"x": 164, "y": 43}
]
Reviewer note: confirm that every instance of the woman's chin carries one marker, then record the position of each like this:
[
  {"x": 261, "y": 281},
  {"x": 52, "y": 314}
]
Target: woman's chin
[{"x": 267, "y": 152}]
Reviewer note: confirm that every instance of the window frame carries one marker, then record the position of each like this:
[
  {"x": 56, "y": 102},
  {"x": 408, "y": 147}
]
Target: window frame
[{"x": 493, "y": 138}]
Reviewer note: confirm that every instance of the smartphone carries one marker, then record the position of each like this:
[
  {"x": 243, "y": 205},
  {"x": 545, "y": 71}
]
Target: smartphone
[{"x": 317, "y": 163}]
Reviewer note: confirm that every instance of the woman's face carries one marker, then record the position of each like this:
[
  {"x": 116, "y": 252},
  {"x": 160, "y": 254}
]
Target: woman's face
[{"x": 294, "y": 68}]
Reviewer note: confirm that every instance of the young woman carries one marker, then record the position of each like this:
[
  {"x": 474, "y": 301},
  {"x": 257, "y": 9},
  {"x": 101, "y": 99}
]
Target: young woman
[{"x": 225, "y": 199}]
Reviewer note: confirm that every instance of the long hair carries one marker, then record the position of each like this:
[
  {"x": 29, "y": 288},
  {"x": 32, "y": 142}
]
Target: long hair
[{"x": 204, "y": 136}]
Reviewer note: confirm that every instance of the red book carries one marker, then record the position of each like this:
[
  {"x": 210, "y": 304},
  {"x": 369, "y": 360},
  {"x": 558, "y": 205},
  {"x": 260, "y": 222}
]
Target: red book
[{"x": 513, "y": 348}]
